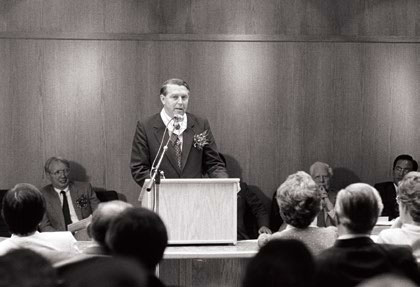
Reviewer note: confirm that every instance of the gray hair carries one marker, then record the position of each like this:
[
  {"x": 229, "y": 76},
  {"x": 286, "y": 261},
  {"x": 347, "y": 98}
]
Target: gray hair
[
  {"x": 55, "y": 159},
  {"x": 358, "y": 206},
  {"x": 299, "y": 199},
  {"x": 408, "y": 193},
  {"x": 321, "y": 165}
]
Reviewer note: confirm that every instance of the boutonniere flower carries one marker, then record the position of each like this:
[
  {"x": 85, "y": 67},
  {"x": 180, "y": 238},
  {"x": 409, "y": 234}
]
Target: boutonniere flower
[
  {"x": 82, "y": 201},
  {"x": 201, "y": 140}
]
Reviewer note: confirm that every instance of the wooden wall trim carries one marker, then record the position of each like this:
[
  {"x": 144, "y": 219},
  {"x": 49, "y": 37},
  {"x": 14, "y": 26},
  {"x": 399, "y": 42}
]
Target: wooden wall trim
[{"x": 206, "y": 37}]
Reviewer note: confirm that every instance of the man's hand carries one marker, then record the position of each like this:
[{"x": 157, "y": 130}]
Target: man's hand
[
  {"x": 264, "y": 229},
  {"x": 325, "y": 201}
]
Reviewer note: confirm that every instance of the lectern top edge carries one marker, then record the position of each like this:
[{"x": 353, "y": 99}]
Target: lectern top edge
[{"x": 199, "y": 180}]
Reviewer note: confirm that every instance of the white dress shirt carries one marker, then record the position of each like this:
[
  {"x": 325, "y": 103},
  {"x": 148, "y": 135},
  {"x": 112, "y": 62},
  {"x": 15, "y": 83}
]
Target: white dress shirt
[{"x": 167, "y": 120}]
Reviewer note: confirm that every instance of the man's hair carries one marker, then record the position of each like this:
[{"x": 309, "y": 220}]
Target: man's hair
[
  {"x": 408, "y": 193},
  {"x": 177, "y": 82},
  {"x": 321, "y": 165},
  {"x": 358, "y": 207},
  {"x": 406, "y": 157},
  {"x": 54, "y": 159},
  {"x": 281, "y": 262},
  {"x": 140, "y": 234},
  {"x": 23, "y": 209},
  {"x": 24, "y": 267},
  {"x": 104, "y": 271},
  {"x": 299, "y": 199},
  {"x": 102, "y": 218}
]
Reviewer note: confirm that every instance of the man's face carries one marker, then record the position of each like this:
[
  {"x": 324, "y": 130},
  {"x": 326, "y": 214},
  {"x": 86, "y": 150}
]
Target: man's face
[
  {"x": 402, "y": 167},
  {"x": 58, "y": 174},
  {"x": 176, "y": 100},
  {"x": 321, "y": 177}
]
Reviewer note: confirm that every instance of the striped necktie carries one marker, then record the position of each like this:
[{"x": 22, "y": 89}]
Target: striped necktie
[{"x": 177, "y": 147}]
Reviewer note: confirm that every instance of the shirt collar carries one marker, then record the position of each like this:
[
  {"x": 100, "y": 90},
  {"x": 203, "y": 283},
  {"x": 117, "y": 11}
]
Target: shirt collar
[
  {"x": 167, "y": 121},
  {"x": 288, "y": 226},
  {"x": 350, "y": 236},
  {"x": 64, "y": 189},
  {"x": 17, "y": 236}
]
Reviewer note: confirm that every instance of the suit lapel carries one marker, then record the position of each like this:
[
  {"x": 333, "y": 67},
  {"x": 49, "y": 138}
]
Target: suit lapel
[
  {"x": 55, "y": 206},
  {"x": 159, "y": 129}
]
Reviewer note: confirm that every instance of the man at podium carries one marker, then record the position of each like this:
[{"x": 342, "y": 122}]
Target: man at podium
[{"x": 192, "y": 150}]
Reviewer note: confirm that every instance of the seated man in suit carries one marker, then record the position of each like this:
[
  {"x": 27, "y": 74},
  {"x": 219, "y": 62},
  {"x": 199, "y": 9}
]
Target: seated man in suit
[
  {"x": 354, "y": 256},
  {"x": 252, "y": 216},
  {"x": 192, "y": 151},
  {"x": 321, "y": 173},
  {"x": 23, "y": 210},
  {"x": 403, "y": 164},
  {"x": 66, "y": 201},
  {"x": 140, "y": 234}
]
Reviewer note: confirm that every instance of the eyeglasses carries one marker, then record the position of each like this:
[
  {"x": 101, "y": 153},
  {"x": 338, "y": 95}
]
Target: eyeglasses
[
  {"x": 61, "y": 172},
  {"x": 402, "y": 170}
]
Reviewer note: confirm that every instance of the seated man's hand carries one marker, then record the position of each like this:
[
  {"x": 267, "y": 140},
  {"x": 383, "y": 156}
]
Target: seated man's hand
[
  {"x": 263, "y": 238},
  {"x": 264, "y": 229}
]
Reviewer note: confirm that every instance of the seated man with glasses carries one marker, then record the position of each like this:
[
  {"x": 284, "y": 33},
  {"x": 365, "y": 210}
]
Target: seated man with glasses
[{"x": 66, "y": 201}]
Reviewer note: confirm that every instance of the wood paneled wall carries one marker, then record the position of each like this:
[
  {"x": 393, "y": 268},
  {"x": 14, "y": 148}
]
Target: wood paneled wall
[{"x": 283, "y": 83}]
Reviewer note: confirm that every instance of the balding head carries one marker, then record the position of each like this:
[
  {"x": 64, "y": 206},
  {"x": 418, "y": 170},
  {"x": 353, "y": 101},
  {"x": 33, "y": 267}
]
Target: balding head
[{"x": 102, "y": 217}]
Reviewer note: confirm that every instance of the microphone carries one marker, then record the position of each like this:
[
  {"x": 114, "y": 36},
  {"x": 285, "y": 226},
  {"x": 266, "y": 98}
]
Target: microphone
[{"x": 177, "y": 119}]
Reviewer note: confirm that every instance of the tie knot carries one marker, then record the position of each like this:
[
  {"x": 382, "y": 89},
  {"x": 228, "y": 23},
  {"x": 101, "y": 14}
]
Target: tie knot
[{"x": 63, "y": 192}]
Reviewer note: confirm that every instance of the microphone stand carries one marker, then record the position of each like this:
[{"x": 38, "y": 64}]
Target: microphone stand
[{"x": 155, "y": 179}]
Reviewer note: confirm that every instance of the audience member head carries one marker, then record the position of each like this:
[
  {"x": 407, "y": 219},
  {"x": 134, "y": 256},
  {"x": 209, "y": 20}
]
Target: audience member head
[
  {"x": 138, "y": 233},
  {"x": 357, "y": 208},
  {"x": 106, "y": 272},
  {"x": 102, "y": 217},
  {"x": 299, "y": 200},
  {"x": 321, "y": 174},
  {"x": 26, "y": 268},
  {"x": 23, "y": 209},
  {"x": 57, "y": 170},
  {"x": 408, "y": 197},
  {"x": 171, "y": 92},
  {"x": 281, "y": 262},
  {"x": 403, "y": 164}
]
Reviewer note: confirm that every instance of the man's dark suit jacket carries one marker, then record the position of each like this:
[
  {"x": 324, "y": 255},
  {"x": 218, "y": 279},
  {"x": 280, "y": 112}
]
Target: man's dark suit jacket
[
  {"x": 252, "y": 213},
  {"x": 388, "y": 194},
  {"x": 84, "y": 202},
  {"x": 195, "y": 162},
  {"x": 351, "y": 261}
]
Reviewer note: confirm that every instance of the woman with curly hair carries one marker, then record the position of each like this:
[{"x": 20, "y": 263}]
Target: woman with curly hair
[
  {"x": 406, "y": 229},
  {"x": 299, "y": 201}
]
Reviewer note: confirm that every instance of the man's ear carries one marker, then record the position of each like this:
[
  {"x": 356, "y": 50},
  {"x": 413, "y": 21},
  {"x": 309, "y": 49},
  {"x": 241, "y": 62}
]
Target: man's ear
[
  {"x": 89, "y": 231},
  {"x": 162, "y": 98}
]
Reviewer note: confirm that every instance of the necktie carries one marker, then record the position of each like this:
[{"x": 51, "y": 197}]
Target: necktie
[
  {"x": 321, "y": 219},
  {"x": 66, "y": 209},
  {"x": 177, "y": 147}
]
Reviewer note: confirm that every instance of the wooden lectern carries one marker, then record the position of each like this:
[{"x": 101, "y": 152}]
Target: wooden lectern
[{"x": 197, "y": 211}]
